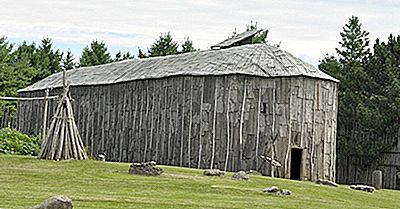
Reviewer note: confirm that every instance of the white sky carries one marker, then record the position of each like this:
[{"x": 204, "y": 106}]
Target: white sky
[{"x": 306, "y": 28}]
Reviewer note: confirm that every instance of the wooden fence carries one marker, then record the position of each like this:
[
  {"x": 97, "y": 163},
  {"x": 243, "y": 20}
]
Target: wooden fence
[{"x": 352, "y": 170}]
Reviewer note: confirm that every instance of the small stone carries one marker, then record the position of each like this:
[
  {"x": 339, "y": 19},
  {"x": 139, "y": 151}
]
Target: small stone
[
  {"x": 214, "y": 172},
  {"x": 326, "y": 182},
  {"x": 101, "y": 157},
  {"x": 55, "y": 202},
  {"x": 146, "y": 169},
  {"x": 273, "y": 189},
  {"x": 285, "y": 192},
  {"x": 241, "y": 175},
  {"x": 365, "y": 188}
]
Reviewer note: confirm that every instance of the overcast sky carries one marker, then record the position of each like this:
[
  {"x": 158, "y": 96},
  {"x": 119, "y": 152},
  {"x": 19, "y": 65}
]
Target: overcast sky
[{"x": 306, "y": 28}]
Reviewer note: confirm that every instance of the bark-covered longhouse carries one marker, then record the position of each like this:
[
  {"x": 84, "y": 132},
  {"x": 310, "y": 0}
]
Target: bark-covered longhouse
[{"x": 207, "y": 109}]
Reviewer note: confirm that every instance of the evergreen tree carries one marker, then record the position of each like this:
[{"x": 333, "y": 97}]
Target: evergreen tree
[
  {"x": 187, "y": 46},
  {"x": 365, "y": 93},
  {"x": 96, "y": 54},
  {"x": 142, "y": 54},
  {"x": 163, "y": 46},
  {"x": 122, "y": 56},
  {"x": 49, "y": 60},
  {"x": 354, "y": 43},
  {"x": 68, "y": 61}
]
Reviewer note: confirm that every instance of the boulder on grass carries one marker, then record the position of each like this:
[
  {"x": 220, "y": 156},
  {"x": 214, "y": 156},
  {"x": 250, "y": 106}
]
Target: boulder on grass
[
  {"x": 145, "y": 169},
  {"x": 55, "y": 202},
  {"x": 277, "y": 191},
  {"x": 214, "y": 172},
  {"x": 365, "y": 188},
  {"x": 241, "y": 175},
  {"x": 326, "y": 182},
  {"x": 273, "y": 189}
]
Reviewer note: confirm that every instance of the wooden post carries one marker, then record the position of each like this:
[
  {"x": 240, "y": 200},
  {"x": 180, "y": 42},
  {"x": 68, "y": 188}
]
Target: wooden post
[
  {"x": 227, "y": 129},
  {"x": 214, "y": 125},
  {"x": 289, "y": 132},
  {"x": 273, "y": 139},
  {"x": 190, "y": 121},
  {"x": 201, "y": 123},
  {"x": 241, "y": 124},
  {"x": 46, "y": 103},
  {"x": 258, "y": 126},
  {"x": 182, "y": 124}
]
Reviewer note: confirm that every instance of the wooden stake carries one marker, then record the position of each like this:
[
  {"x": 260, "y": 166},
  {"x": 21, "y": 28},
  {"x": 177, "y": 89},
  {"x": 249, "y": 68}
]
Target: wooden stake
[
  {"x": 227, "y": 129},
  {"x": 241, "y": 124},
  {"x": 190, "y": 120},
  {"x": 214, "y": 125},
  {"x": 258, "y": 126},
  {"x": 201, "y": 123},
  {"x": 182, "y": 124}
]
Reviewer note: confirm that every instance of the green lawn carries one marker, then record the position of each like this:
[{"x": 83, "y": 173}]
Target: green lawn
[{"x": 26, "y": 181}]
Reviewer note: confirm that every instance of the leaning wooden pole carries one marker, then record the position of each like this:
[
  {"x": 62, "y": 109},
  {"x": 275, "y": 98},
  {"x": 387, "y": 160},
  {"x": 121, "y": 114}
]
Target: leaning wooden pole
[{"x": 63, "y": 141}]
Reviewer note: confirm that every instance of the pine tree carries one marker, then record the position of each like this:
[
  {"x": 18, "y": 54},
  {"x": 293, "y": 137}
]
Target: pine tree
[
  {"x": 187, "y": 46},
  {"x": 122, "y": 56},
  {"x": 164, "y": 45},
  {"x": 49, "y": 60},
  {"x": 68, "y": 61},
  {"x": 142, "y": 54},
  {"x": 354, "y": 43},
  {"x": 96, "y": 54}
]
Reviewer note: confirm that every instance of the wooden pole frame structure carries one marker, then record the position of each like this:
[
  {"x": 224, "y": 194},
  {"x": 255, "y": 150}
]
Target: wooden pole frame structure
[{"x": 63, "y": 140}]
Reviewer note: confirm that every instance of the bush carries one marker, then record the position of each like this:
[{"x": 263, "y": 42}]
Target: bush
[{"x": 15, "y": 142}]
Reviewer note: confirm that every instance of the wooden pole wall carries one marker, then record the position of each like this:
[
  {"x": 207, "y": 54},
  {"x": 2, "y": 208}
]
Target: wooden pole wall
[{"x": 206, "y": 122}]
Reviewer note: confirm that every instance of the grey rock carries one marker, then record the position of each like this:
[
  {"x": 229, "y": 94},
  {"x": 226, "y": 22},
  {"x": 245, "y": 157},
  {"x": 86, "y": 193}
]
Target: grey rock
[
  {"x": 285, "y": 192},
  {"x": 377, "y": 179},
  {"x": 214, "y": 172},
  {"x": 145, "y": 169},
  {"x": 55, "y": 202},
  {"x": 276, "y": 190},
  {"x": 101, "y": 157},
  {"x": 241, "y": 175},
  {"x": 365, "y": 188},
  {"x": 326, "y": 182},
  {"x": 273, "y": 189}
]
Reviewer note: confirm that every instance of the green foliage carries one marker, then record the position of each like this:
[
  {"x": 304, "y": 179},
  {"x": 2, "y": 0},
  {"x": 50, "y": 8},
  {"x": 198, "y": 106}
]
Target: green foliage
[
  {"x": 187, "y": 46},
  {"x": 142, "y": 54},
  {"x": 68, "y": 61},
  {"x": 96, "y": 54},
  {"x": 15, "y": 142},
  {"x": 369, "y": 92},
  {"x": 163, "y": 46},
  {"x": 354, "y": 43},
  {"x": 123, "y": 56}
]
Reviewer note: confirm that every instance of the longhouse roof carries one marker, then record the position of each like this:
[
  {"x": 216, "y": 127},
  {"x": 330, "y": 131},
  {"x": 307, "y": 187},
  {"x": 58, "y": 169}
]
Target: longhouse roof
[{"x": 255, "y": 59}]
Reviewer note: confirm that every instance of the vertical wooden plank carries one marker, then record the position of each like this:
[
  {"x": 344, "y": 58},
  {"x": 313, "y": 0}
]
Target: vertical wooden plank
[
  {"x": 201, "y": 122},
  {"x": 182, "y": 123},
  {"x": 214, "y": 125},
  {"x": 289, "y": 121},
  {"x": 241, "y": 124},
  {"x": 228, "y": 137},
  {"x": 273, "y": 131},
  {"x": 258, "y": 126}
]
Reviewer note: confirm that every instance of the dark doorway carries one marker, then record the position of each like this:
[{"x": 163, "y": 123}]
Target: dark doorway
[{"x": 295, "y": 163}]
